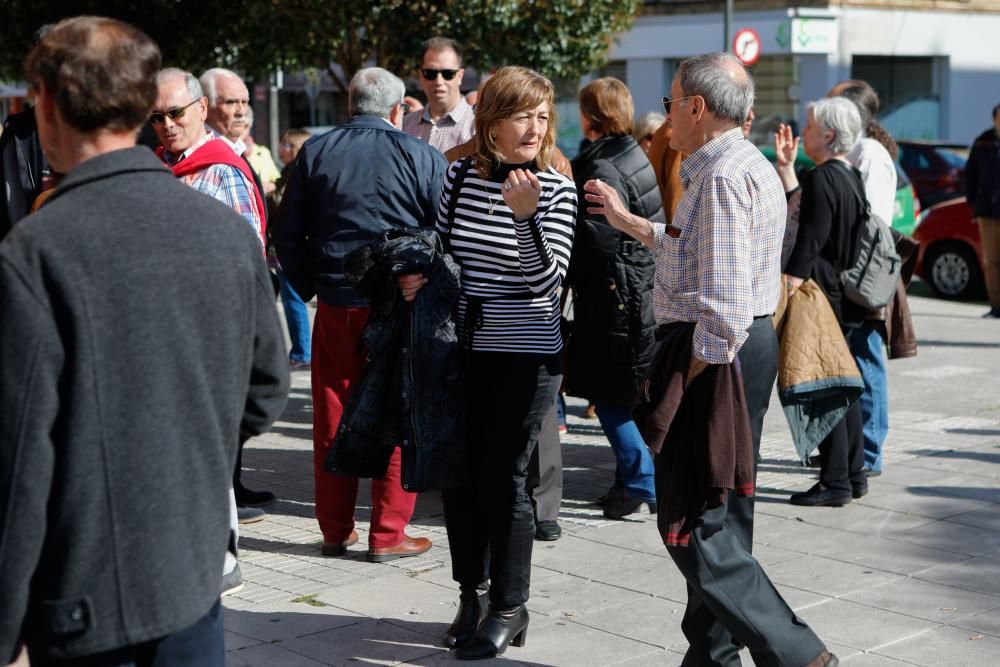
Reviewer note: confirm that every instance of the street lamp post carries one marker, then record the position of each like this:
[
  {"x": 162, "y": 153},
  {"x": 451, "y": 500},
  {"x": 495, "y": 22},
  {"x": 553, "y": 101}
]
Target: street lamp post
[{"x": 727, "y": 30}]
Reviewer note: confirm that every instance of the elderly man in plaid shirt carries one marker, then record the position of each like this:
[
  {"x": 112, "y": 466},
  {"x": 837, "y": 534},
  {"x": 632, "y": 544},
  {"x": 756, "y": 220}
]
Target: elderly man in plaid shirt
[{"x": 718, "y": 268}]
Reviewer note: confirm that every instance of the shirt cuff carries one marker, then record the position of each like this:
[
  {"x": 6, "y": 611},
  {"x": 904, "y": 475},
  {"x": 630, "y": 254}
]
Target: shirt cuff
[
  {"x": 659, "y": 231},
  {"x": 712, "y": 348}
]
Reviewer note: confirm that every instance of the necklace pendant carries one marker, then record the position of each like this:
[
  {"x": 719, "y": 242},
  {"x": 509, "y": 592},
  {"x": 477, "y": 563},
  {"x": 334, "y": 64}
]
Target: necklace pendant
[{"x": 492, "y": 204}]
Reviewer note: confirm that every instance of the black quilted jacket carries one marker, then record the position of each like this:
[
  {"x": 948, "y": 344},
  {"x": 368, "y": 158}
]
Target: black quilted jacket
[
  {"x": 612, "y": 279},
  {"x": 411, "y": 393}
]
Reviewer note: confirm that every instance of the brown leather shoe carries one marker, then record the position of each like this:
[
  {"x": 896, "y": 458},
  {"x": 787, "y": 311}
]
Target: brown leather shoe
[
  {"x": 339, "y": 548},
  {"x": 824, "y": 659},
  {"x": 410, "y": 546}
]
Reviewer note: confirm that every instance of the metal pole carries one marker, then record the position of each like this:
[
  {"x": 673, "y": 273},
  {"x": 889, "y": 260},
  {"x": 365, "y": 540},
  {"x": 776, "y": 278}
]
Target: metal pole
[
  {"x": 727, "y": 30},
  {"x": 277, "y": 83}
]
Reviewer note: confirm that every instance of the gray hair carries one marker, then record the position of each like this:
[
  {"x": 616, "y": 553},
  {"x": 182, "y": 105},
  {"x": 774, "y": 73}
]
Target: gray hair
[
  {"x": 841, "y": 116},
  {"x": 722, "y": 81},
  {"x": 171, "y": 73},
  {"x": 374, "y": 92},
  {"x": 208, "y": 79},
  {"x": 648, "y": 123}
]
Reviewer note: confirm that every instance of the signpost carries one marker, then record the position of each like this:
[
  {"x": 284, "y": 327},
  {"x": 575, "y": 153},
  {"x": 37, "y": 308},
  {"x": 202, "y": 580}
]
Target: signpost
[{"x": 746, "y": 46}]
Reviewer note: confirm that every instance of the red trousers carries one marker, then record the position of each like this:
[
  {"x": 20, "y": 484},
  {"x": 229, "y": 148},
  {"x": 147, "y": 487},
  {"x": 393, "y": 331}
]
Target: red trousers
[{"x": 338, "y": 361}]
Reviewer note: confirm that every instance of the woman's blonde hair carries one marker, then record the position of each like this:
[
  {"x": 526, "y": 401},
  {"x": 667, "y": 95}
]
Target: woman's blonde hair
[
  {"x": 607, "y": 104},
  {"x": 509, "y": 91}
]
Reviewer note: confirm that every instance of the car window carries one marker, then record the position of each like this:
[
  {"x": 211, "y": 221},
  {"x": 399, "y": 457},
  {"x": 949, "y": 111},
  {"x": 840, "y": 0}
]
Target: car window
[
  {"x": 902, "y": 180},
  {"x": 954, "y": 157}
]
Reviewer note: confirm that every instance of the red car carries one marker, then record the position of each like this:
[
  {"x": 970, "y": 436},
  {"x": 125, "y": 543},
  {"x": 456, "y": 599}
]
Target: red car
[{"x": 950, "y": 259}]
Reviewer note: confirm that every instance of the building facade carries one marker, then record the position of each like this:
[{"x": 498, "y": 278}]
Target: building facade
[{"x": 935, "y": 63}]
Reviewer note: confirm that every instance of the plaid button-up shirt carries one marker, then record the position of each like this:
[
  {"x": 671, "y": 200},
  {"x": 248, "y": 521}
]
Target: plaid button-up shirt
[
  {"x": 718, "y": 264},
  {"x": 222, "y": 182},
  {"x": 455, "y": 127}
]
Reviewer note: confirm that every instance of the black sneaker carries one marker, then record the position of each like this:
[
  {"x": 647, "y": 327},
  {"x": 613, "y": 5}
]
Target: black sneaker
[
  {"x": 622, "y": 507},
  {"x": 247, "y": 498},
  {"x": 232, "y": 581},
  {"x": 992, "y": 314}
]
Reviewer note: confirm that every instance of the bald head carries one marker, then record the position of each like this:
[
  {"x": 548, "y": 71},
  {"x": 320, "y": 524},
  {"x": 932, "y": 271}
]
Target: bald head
[{"x": 722, "y": 81}]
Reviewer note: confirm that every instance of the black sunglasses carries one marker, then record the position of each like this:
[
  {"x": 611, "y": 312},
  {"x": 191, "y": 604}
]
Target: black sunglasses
[
  {"x": 668, "y": 101},
  {"x": 158, "y": 117},
  {"x": 431, "y": 74}
]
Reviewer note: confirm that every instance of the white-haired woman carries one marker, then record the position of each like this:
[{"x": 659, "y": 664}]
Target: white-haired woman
[{"x": 833, "y": 205}]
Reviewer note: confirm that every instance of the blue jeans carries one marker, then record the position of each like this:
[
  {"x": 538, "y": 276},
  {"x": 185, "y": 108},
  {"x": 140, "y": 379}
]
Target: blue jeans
[
  {"x": 867, "y": 347},
  {"x": 561, "y": 408},
  {"x": 634, "y": 469},
  {"x": 297, "y": 318}
]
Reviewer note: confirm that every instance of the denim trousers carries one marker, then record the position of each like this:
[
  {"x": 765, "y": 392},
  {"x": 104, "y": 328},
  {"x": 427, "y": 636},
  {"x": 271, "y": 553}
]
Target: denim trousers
[
  {"x": 489, "y": 519},
  {"x": 634, "y": 464},
  {"x": 297, "y": 317},
  {"x": 868, "y": 350}
]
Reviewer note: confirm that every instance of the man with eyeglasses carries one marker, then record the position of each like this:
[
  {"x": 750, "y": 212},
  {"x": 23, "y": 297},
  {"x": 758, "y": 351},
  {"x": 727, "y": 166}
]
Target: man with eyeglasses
[
  {"x": 447, "y": 120},
  {"x": 196, "y": 156},
  {"x": 716, "y": 289},
  {"x": 347, "y": 188}
]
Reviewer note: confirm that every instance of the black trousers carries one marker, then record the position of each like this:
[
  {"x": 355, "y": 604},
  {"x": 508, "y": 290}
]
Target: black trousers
[
  {"x": 842, "y": 452},
  {"x": 545, "y": 482},
  {"x": 201, "y": 644},
  {"x": 489, "y": 519},
  {"x": 731, "y": 601}
]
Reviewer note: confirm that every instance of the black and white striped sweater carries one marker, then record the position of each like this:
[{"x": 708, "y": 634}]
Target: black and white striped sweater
[{"x": 511, "y": 270}]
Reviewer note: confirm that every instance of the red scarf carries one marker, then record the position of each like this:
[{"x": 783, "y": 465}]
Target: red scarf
[{"x": 217, "y": 151}]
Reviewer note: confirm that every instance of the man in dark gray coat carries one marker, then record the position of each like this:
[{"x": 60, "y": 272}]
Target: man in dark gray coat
[{"x": 139, "y": 342}]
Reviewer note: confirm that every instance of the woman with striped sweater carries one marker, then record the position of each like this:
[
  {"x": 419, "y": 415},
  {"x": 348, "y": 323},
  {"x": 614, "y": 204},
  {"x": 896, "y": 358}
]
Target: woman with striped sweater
[{"x": 507, "y": 218}]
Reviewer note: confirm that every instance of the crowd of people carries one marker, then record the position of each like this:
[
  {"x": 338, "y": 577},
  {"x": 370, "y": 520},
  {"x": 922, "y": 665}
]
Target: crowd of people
[{"x": 442, "y": 245}]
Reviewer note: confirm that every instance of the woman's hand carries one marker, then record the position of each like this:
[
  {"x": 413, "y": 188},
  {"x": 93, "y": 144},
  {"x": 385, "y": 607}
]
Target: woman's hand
[
  {"x": 410, "y": 284},
  {"x": 792, "y": 285},
  {"x": 610, "y": 205},
  {"x": 786, "y": 147},
  {"x": 521, "y": 191}
]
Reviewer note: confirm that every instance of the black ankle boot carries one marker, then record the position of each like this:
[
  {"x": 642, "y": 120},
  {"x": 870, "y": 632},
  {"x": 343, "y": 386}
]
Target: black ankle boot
[
  {"x": 471, "y": 612},
  {"x": 501, "y": 627}
]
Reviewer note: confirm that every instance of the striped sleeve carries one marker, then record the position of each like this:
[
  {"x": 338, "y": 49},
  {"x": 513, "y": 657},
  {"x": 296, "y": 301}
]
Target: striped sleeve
[{"x": 545, "y": 240}]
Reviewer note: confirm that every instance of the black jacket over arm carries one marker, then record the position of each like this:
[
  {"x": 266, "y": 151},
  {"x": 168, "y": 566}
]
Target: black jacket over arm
[
  {"x": 21, "y": 166},
  {"x": 139, "y": 339},
  {"x": 348, "y": 187},
  {"x": 612, "y": 278}
]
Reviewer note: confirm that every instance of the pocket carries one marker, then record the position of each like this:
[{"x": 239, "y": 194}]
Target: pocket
[{"x": 65, "y": 617}]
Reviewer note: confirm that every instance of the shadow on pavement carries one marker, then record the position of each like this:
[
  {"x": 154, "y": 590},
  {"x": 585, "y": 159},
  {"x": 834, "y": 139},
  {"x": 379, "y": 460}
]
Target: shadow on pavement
[{"x": 330, "y": 636}]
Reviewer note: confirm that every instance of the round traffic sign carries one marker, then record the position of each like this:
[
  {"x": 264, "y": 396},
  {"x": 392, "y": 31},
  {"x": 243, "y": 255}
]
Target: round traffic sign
[{"x": 746, "y": 45}]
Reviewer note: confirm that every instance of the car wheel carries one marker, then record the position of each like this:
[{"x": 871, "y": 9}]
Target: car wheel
[{"x": 952, "y": 269}]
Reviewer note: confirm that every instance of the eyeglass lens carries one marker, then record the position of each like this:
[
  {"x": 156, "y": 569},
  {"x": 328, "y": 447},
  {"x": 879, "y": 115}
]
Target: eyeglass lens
[{"x": 176, "y": 113}]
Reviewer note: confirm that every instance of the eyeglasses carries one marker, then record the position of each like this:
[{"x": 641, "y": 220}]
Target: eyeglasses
[
  {"x": 405, "y": 107},
  {"x": 159, "y": 117},
  {"x": 432, "y": 74},
  {"x": 668, "y": 101}
]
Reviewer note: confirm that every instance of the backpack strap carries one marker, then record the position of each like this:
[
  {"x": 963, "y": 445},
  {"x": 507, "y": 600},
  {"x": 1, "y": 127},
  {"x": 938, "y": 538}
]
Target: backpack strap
[{"x": 461, "y": 170}]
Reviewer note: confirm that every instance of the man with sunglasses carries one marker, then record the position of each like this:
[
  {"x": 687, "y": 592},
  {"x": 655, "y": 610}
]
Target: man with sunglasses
[
  {"x": 198, "y": 157},
  {"x": 447, "y": 120},
  {"x": 717, "y": 280}
]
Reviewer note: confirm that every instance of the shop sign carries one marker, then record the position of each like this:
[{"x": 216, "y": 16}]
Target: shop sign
[{"x": 807, "y": 35}]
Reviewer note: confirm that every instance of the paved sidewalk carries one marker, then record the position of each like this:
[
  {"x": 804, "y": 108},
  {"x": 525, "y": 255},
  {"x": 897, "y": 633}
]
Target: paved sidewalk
[{"x": 909, "y": 575}]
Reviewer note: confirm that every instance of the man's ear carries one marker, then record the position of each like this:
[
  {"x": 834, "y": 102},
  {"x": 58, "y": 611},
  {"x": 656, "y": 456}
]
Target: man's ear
[
  {"x": 396, "y": 115},
  {"x": 45, "y": 104}
]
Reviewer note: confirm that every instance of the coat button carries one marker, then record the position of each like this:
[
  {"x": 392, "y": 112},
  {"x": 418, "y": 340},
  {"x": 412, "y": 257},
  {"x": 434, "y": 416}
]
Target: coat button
[
  {"x": 404, "y": 350},
  {"x": 406, "y": 442},
  {"x": 404, "y": 394},
  {"x": 77, "y": 614},
  {"x": 621, "y": 306},
  {"x": 613, "y": 286}
]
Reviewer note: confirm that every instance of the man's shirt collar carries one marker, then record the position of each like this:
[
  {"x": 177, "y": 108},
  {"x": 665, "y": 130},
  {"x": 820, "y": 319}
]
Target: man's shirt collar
[
  {"x": 174, "y": 159},
  {"x": 455, "y": 115},
  {"x": 701, "y": 158}
]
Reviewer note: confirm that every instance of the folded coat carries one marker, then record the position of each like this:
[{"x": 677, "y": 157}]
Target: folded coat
[
  {"x": 817, "y": 376},
  {"x": 700, "y": 434},
  {"x": 410, "y": 395}
]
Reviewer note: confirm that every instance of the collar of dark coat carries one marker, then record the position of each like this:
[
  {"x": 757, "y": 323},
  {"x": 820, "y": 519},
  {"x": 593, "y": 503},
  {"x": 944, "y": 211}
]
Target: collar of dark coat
[
  {"x": 370, "y": 121},
  {"x": 607, "y": 147},
  {"x": 126, "y": 160}
]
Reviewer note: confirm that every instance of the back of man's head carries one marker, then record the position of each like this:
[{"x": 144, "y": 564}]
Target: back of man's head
[
  {"x": 722, "y": 81},
  {"x": 100, "y": 72},
  {"x": 374, "y": 92}
]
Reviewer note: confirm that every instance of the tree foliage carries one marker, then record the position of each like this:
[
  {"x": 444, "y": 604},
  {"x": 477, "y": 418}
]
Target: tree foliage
[{"x": 560, "y": 38}]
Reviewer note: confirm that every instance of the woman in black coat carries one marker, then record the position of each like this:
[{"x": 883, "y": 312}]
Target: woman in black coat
[
  {"x": 612, "y": 279},
  {"x": 831, "y": 214}
]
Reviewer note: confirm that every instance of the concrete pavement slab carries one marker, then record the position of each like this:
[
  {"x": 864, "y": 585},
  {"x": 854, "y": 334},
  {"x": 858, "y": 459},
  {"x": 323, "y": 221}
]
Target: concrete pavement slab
[
  {"x": 371, "y": 641},
  {"x": 652, "y": 620},
  {"x": 946, "y": 647},
  {"x": 947, "y": 536},
  {"x": 826, "y": 576},
  {"x": 927, "y": 600},
  {"x": 573, "y": 597},
  {"x": 861, "y": 627},
  {"x": 286, "y": 620},
  {"x": 269, "y": 655},
  {"x": 987, "y": 622},
  {"x": 890, "y": 555},
  {"x": 976, "y": 574}
]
